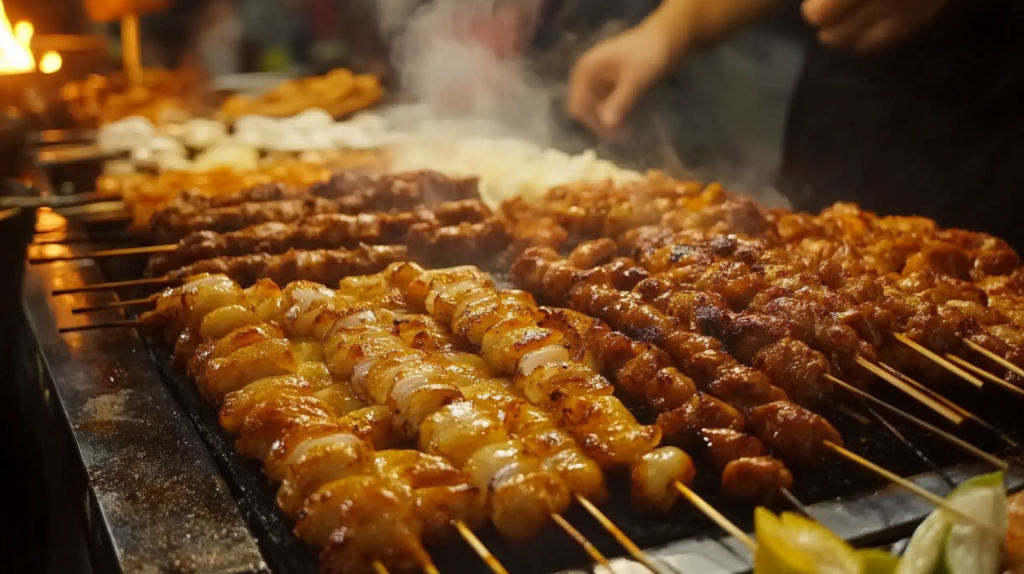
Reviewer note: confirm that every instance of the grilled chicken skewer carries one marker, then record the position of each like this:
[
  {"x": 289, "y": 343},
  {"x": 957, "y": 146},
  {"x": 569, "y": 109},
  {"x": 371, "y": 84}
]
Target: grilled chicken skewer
[
  {"x": 345, "y": 193},
  {"x": 873, "y": 308},
  {"x": 312, "y": 303},
  {"x": 428, "y": 244},
  {"x": 327, "y": 231}
]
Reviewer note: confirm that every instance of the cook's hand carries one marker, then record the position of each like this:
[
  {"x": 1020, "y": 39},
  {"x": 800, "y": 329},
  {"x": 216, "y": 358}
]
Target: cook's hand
[
  {"x": 607, "y": 80},
  {"x": 868, "y": 25}
]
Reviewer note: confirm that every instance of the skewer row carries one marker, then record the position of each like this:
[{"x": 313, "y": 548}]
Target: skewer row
[{"x": 241, "y": 265}]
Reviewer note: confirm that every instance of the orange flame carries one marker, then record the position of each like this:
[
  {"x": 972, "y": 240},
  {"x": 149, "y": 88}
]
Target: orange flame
[{"x": 15, "y": 51}]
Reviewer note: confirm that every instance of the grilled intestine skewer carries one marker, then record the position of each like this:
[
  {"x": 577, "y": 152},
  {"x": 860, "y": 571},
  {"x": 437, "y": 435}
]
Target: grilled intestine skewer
[
  {"x": 691, "y": 418},
  {"x": 765, "y": 407}
]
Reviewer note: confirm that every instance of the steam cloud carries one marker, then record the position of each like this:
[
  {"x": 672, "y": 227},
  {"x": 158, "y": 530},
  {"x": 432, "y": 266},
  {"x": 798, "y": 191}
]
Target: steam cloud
[{"x": 466, "y": 88}]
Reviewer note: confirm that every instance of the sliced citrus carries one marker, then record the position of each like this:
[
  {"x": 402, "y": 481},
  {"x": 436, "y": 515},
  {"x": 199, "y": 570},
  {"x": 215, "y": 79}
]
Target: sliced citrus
[
  {"x": 949, "y": 544},
  {"x": 792, "y": 544},
  {"x": 878, "y": 561}
]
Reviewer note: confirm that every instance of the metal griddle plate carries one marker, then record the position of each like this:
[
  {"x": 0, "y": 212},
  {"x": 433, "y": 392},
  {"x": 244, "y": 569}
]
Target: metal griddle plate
[
  {"x": 153, "y": 497},
  {"x": 842, "y": 496}
]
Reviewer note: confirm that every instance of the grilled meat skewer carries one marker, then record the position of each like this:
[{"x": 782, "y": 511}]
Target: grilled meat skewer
[{"x": 324, "y": 231}]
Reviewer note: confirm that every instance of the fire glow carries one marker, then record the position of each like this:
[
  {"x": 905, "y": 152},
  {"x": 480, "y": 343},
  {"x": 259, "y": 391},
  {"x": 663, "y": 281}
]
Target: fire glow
[{"x": 15, "y": 52}]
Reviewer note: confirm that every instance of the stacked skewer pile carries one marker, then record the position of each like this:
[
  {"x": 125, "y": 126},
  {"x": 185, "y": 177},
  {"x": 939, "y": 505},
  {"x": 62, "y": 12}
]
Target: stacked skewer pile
[{"x": 419, "y": 398}]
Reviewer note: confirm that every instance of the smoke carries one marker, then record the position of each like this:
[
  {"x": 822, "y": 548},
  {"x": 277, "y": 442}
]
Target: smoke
[{"x": 460, "y": 60}]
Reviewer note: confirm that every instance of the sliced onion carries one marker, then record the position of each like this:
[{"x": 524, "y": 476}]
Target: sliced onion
[
  {"x": 460, "y": 309},
  {"x": 361, "y": 369},
  {"x": 356, "y": 319},
  {"x": 405, "y": 387},
  {"x": 308, "y": 445},
  {"x": 534, "y": 359}
]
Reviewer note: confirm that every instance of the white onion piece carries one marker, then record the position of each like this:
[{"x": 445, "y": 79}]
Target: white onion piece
[
  {"x": 460, "y": 309},
  {"x": 356, "y": 319},
  {"x": 312, "y": 118},
  {"x": 361, "y": 369},
  {"x": 534, "y": 359},
  {"x": 405, "y": 387},
  {"x": 172, "y": 162},
  {"x": 205, "y": 281},
  {"x": 300, "y": 451},
  {"x": 204, "y": 134}
]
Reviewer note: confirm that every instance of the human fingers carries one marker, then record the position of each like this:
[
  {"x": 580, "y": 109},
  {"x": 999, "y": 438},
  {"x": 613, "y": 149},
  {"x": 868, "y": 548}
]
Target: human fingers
[
  {"x": 582, "y": 102},
  {"x": 846, "y": 33},
  {"x": 880, "y": 35},
  {"x": 613, "y": 110},
  {"x": 824, "y": 13}
]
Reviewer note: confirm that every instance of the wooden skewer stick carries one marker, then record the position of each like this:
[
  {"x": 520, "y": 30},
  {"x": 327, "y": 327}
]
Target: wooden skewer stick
[
  {"x": 1001, "y": 361},
  {"x": 987, "y": 375},
  {"x": 968, "y": 415},
  {"x": 630, "y": 546},
  {"x": 380, "y": 568},
  {"x": 105, "y": 253},
  {"x": 429, "y": 568},
  {"x": 950, "y": 414},
  {"x": 942, "y": 362},
  {"x": 896, "y": 433},
  {"x": 112, "y": 305},
  {"x": 962, "y": 444},
  {"x": 795, "y": 502},
  {"x": 113, "y": 285},
  {"x": 96, "y": 326},
  {"x": 712, "y": 513},
  {"x": 576, "y": 535},
  {"x": 931, "y": 497},
  {"x": 479, "y": 548}
]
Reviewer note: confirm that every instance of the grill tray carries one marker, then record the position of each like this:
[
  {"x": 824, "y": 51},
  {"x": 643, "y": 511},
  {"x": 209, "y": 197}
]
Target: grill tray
[{"x": 846, "y": 498}]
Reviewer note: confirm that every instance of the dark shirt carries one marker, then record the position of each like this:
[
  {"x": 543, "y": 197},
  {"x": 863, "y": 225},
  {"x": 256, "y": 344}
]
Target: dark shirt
[{"x": 932, "y": 127}]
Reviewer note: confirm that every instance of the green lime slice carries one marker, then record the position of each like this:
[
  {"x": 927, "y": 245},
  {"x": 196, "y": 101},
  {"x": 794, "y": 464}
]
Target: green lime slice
[
  {"x": 949, "y": 544},
  {"x": 971, "y": 548},
  {"x": 792, "y": 544}
]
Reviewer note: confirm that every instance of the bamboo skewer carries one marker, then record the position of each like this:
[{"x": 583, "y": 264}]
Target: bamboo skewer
[
  {"x": 999, "y": 360},
  {"x": 896, "y": 432},
  {"x": 795, "y": 502},
  {"x": 576, "y": 535},
  {"x": 987, "y": 375},
  {"x": 113, "y": 285},
  {"x": 112, "y": 305},
  {"x": 105, "y": 253},
  {"x": 942, "y": 362},
  {"x": 630, "y": 546},
  {"x": 710, "y": 511},
  {"x": 379, "y": 568},
  {"x": 931, "y": 497},
  {"x": 96, "y": 326},
  {"x": 962, "y": 444},
  {"x": 966, "y": 414},
  {"x": 479, "y": 548},
  {"x": 950, "y": 414}
]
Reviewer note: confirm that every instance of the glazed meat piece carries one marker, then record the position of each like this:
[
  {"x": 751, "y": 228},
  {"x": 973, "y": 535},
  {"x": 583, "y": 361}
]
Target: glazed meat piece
[
  {"x": 759, "y": 478},
  {"x": 793, "y": 432}
]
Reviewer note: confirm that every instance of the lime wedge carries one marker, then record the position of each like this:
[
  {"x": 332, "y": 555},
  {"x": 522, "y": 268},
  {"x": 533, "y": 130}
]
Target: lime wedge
[
  {"x": 947, "y": 542},
  {"x": 972, "y": 548},
  {"x": 792, "y": 544},
  {"x": 878, "y": 561}
]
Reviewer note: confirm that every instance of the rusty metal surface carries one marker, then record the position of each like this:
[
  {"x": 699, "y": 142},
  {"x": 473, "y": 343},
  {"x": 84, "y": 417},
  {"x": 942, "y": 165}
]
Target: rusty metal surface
[{"x": 153, "y": 498}]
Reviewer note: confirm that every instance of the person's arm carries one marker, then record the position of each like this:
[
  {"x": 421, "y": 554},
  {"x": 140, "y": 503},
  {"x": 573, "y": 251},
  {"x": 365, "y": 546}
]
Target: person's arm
[{"x": 693, "y": 24}]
